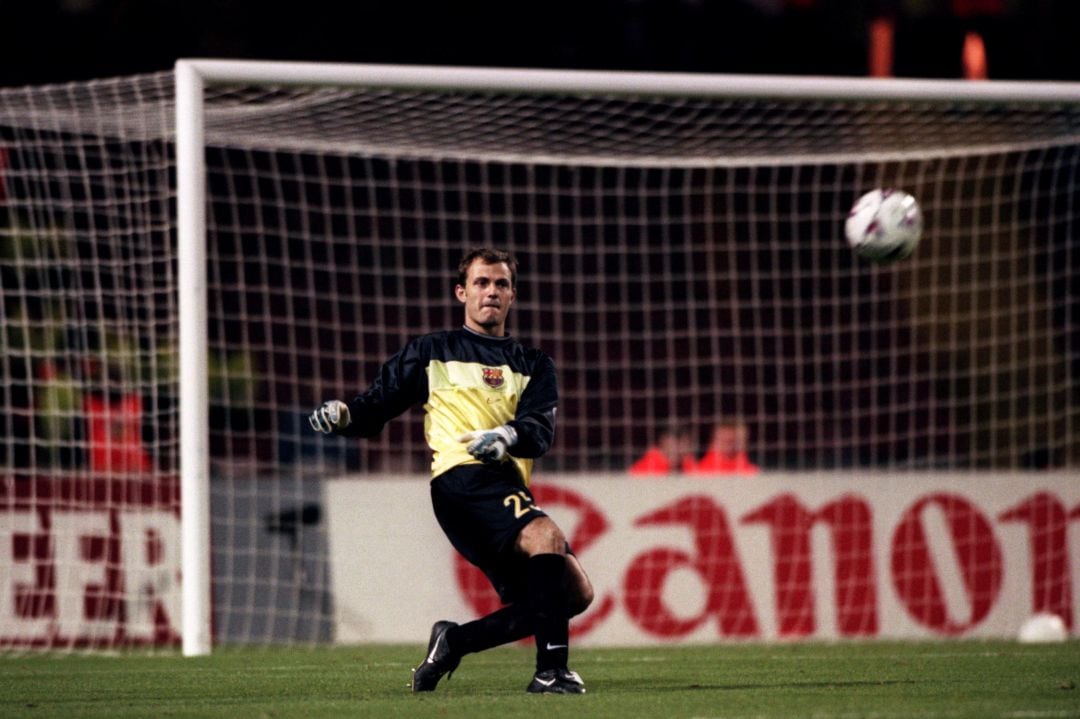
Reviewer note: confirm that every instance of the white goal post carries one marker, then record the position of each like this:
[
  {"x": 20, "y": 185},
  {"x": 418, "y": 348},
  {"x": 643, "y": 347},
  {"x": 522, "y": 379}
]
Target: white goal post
[{"x": 193, "y": 75}]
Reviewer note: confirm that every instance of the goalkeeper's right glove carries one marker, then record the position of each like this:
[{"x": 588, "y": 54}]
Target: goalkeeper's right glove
[
  {"x": 331, "y": 416},
  {"x": 490, "y": 445}
]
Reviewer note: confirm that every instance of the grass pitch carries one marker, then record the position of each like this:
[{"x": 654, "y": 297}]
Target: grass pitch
[{"x": 821, "y": 681}]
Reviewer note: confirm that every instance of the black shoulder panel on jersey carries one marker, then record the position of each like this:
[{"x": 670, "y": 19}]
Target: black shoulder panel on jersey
[{"x": 402, "y": 383}]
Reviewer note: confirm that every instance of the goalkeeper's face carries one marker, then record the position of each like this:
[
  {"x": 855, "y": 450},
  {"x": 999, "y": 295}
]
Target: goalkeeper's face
[{"x": 487, "y": 295}]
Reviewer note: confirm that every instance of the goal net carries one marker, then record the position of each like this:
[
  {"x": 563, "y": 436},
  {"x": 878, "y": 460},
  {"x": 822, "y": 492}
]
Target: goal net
[{"x": 681, "y": 255}]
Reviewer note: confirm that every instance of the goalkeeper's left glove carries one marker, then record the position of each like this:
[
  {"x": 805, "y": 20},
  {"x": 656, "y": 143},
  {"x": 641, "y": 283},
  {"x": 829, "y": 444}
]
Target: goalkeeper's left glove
[
  {"x": 490, "y": 445},
  {"x": 331, "y": 415}
]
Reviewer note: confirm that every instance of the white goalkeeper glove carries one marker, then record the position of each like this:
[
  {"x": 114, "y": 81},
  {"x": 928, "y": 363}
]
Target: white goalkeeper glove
[
  {"x": 490, "y": 445},
  {"x": 332, "y": 415}
]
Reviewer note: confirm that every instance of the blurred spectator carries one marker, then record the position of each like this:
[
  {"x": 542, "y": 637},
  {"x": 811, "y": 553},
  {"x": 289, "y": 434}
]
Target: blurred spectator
[
  {"x": 948, "y": 38},
  {"x": 727, "y": 452},
  {"x": 114, "y": 415},
  {"x": 670, "y": 453},
  {"x": 114, "y": 424},
  {"x": 58, "y": 404}
]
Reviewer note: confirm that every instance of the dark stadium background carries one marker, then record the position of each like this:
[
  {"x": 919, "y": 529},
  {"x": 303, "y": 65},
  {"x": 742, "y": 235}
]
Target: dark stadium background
[
  {"x": 68, "y": 40},
  {"x": 61, "y": 40}
]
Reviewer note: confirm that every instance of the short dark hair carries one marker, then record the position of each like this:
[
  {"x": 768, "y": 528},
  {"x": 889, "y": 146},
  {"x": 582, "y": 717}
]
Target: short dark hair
[{"x": 489, "y": 256}]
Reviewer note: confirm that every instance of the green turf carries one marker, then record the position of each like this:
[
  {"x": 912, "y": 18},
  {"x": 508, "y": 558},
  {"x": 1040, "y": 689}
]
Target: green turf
[{"x": 823, "y": 681}]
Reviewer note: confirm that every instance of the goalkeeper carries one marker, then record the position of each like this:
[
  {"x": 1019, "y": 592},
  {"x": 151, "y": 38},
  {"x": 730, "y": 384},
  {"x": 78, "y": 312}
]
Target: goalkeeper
[{"x": 490, "y": 405}]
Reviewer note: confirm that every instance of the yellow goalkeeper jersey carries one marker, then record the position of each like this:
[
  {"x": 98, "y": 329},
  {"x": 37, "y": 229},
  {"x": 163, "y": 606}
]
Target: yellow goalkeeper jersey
[{"x": 466, "y": 381}]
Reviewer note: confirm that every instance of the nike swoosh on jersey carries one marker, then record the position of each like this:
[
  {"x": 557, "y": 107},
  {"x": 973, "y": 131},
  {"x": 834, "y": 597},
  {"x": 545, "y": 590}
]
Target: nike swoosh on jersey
[{"x": 551, "y": 646}]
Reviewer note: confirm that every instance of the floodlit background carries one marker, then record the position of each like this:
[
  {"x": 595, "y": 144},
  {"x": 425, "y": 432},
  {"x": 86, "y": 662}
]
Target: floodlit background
[
  {"x": 685, "y": 264},
  {"x": 61, "y": 40}
]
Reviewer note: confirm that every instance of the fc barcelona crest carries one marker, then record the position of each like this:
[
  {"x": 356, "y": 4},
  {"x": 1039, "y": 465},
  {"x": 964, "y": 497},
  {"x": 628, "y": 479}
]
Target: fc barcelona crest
[{"x": 493, "y": 377}]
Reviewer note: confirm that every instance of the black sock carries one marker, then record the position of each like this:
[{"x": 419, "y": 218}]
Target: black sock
[
  {"x": 547, "y": 600},
  {"x": 509, "y": 624}
]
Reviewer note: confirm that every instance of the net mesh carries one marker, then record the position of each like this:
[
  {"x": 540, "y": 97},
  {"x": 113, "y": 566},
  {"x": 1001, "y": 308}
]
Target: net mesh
[{"x": 682, "y": 259}]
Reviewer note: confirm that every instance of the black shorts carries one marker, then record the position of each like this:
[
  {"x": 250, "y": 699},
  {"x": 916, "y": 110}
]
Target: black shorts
[{"x": 482, "y": 509}]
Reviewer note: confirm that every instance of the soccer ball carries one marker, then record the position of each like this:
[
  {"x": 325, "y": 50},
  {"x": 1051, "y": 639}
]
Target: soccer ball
[{"x": 884, "y": 225}]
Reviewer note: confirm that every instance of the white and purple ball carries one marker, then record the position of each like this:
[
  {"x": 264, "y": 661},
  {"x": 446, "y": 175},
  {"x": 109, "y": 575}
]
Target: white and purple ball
[{"x": 884, "y": 225}]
